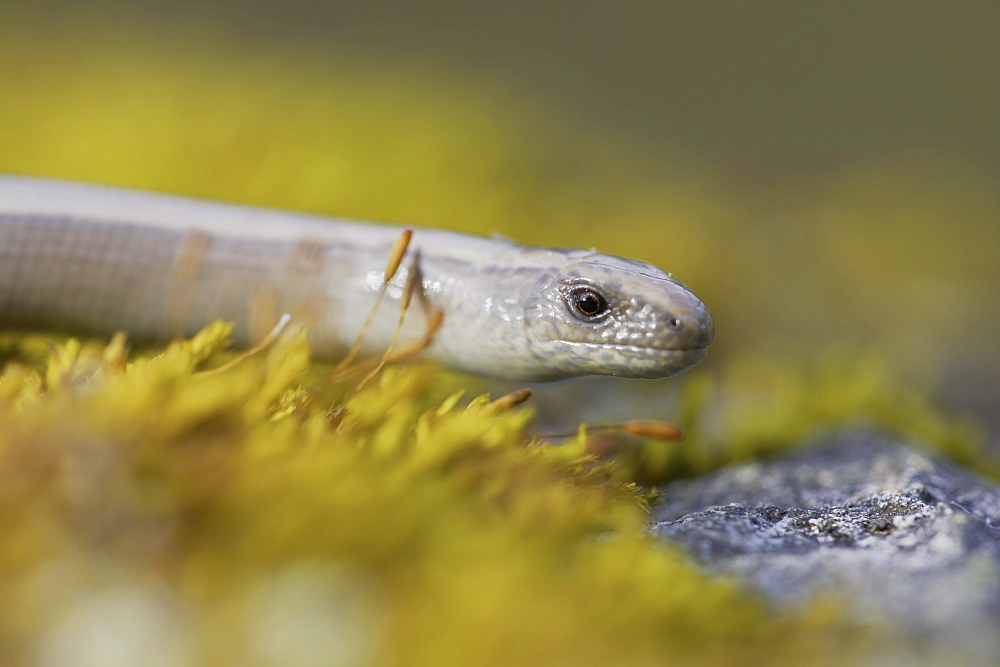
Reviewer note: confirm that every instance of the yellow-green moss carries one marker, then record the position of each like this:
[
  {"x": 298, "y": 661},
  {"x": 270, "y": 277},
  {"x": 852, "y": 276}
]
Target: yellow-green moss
[
  {"x": 435, "y": 528},
  {"x": 758, "y": 408}
]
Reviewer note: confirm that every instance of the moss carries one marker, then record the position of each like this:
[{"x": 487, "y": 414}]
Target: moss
[
  {"x": 757, "y": 408},
  {"x": 435, "y": 527}
]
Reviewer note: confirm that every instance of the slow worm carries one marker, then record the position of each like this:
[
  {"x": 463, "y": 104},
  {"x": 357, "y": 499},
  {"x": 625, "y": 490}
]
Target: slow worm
[{"x": 93, "y": 260}]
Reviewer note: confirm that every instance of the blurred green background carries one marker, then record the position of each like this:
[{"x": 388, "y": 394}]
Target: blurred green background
[{"x": 823, "y": 175}]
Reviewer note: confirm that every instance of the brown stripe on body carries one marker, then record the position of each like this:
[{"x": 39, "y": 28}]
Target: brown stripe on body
[{"x": 183, "y": 290}]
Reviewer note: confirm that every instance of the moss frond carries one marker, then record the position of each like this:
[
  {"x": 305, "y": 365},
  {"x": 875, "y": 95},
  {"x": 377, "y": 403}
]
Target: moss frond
[{"x": 440, "y": 530}]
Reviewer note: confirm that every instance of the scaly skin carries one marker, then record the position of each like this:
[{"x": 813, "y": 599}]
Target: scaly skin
[{"x": 94, "y": 260}]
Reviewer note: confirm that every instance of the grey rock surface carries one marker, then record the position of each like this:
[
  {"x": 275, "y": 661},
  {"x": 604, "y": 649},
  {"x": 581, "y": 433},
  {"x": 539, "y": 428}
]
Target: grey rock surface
[{"x": 904, "y": 539}]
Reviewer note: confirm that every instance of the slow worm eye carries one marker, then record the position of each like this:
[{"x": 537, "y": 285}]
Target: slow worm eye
[{"x": 589, "y": 303}]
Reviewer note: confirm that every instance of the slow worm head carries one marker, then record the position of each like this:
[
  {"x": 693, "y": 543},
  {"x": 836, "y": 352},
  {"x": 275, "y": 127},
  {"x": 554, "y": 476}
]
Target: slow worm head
[{"x": 615, "y": 316}]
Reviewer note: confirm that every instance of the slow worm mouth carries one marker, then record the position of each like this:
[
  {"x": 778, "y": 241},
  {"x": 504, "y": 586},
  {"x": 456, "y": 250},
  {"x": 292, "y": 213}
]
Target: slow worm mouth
[
  {"x": 639, "y": 349},
  {"x": 633, "y": 360}
]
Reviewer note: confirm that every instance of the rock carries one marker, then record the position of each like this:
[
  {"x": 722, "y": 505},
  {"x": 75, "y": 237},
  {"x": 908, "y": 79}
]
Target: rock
[{"x": 905, "y": 539}]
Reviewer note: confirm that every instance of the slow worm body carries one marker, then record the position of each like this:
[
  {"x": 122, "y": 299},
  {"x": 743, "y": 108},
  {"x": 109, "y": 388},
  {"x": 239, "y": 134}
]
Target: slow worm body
[{"x": 93, "y": 259}]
